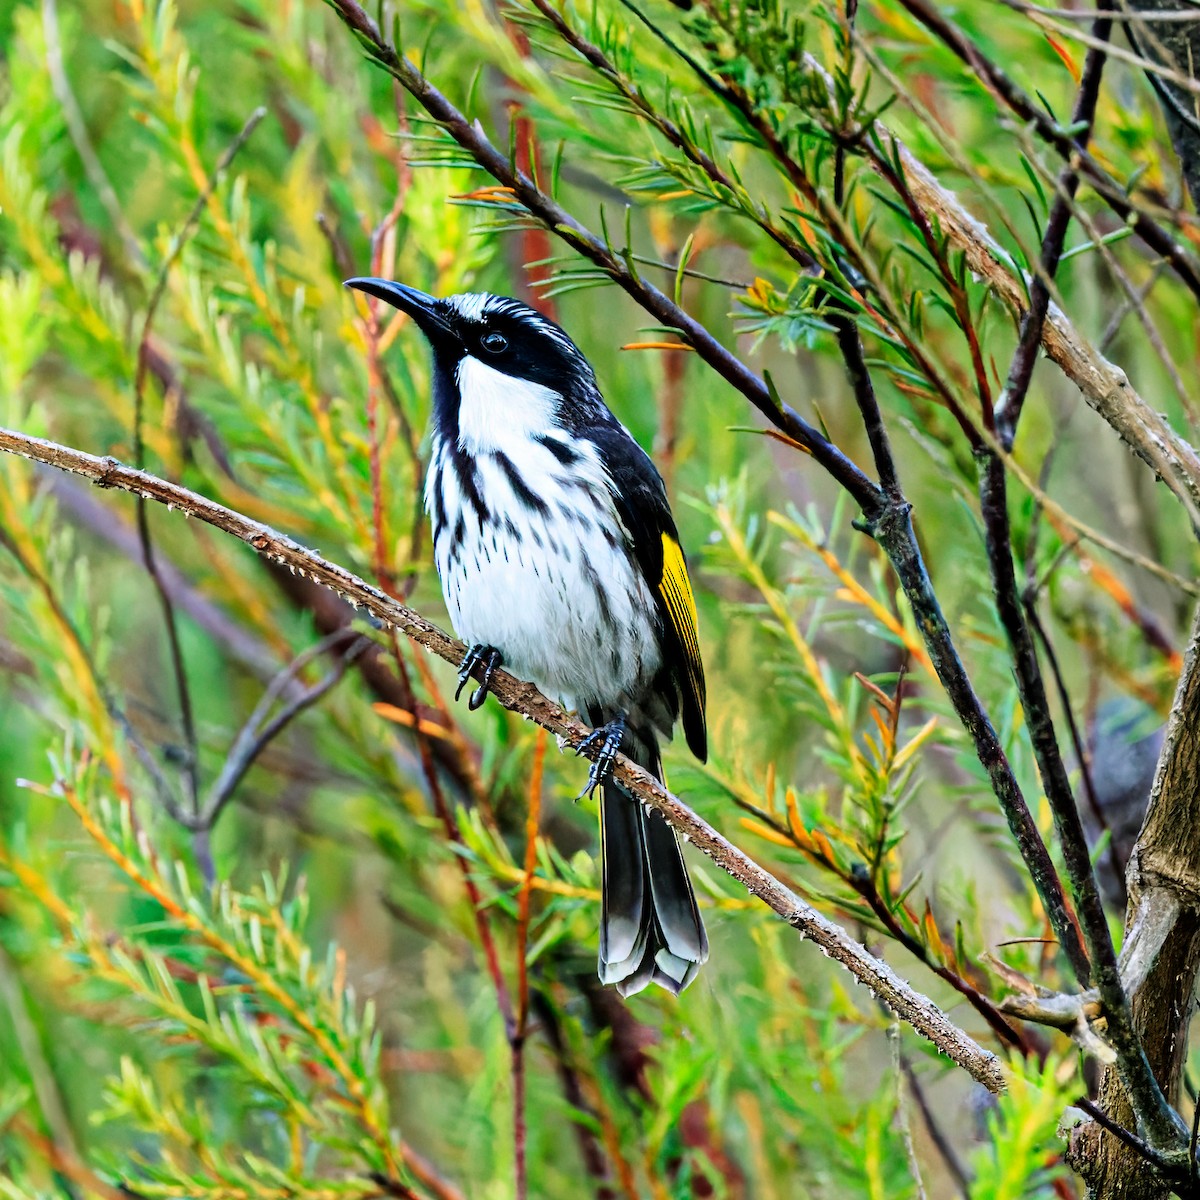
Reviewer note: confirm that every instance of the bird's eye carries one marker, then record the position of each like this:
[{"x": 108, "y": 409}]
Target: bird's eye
[{"x": 494, "y": 342}]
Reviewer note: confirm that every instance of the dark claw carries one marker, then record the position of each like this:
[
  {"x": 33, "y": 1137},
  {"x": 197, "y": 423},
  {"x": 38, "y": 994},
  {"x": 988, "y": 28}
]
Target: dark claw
[
  {"x": 489, "y": 658},
  {"x": 602, "y": 766},
  {"x": 473, "y": 656}
]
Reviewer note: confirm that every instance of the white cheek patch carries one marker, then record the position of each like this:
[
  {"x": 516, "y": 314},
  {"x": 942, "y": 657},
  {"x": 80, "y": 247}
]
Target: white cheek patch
[{"x": 497, "y": 410}]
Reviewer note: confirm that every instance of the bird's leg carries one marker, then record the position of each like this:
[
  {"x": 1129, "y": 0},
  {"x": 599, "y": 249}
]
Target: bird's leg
[
  {"x": 610, "y": 736},
  {"x": 479, "y": 655}
]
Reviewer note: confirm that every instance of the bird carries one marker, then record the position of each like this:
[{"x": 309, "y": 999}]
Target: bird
[{"x": 560, "y": 560}]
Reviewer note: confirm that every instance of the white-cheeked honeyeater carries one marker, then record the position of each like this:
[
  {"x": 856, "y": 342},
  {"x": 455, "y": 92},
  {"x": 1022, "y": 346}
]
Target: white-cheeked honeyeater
[{"x": 559, "y": 559}]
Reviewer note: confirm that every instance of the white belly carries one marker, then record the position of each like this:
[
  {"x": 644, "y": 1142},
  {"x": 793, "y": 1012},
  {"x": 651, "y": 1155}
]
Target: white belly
[{"x": 555, "y": 594}]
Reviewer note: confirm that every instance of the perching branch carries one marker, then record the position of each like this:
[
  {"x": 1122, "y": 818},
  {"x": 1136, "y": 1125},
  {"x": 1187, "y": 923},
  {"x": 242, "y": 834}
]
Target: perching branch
[{"x": 523, "y": 698}]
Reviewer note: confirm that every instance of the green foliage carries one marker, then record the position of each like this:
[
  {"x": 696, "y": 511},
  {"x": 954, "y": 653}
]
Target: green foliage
[{"x": 303, "y": 1002}]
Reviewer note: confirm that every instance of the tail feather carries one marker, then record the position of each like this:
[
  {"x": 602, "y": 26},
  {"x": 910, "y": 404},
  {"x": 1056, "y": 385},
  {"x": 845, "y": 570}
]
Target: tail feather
[
  {"x": 623, "y": 888},
  {"x": 650, "y": 927}
]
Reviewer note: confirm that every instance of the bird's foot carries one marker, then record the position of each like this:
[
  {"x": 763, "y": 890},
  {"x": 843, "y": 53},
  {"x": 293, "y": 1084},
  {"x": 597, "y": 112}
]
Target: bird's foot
[
  {"x": 487, "y": 657},
  {"x": 609, "y": 736}
]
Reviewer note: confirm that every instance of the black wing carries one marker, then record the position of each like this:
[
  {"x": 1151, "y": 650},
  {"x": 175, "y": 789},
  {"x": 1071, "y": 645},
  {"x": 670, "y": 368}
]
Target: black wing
[{"x": 641, "y": 501}]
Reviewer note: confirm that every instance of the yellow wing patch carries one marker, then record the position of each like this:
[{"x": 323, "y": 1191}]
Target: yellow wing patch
[{"x": 676, "y": 592}]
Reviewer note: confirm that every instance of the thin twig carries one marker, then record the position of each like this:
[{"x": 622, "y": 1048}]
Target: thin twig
[
  {"x": 532, "y": 823},
  {"x": 525, "y": 699},
  {"x": 1148, "y": 1152},
  {"x": 78, "y": 131},
  {"x": 1127, "y": 305},
  {"x": 1132, "y": 294},
  {"x": 1185, "y": 16},
  {"x": 479, "y": 913},
  {"x": 84, "y": 508},
  {"x": 591, "y": 1149},
  {"x": 1029, "y": 343},
  {"x": 937, "y": 1135},
  {"x": 258, "y": 732},
  {"x": 1078, "y": 745},
  {"x": 1154, "y": 70},
  {"x": 906, "y": 1137},
  {"x": 170, "y": 620}
]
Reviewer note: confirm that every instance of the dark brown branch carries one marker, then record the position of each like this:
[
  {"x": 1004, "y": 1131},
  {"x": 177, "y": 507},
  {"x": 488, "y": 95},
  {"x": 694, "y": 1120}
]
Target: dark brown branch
[
  {"x": 1078, "y": 745},
  {"x": 1127, "y": 1138},
  {"x": 849, "y": 340},
  {"x": 895, "y": 535},
  {"x": 1156, "y": 1119},
  {"x": 1029, "y": 343},
  {"x": 523, "y": 698}
]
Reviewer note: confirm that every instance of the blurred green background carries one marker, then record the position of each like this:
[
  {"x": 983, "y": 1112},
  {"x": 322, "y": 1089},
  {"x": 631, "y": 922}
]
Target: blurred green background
[{"x": 301, "y": 1005}]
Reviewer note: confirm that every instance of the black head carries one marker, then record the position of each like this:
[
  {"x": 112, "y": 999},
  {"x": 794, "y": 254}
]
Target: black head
[{"x": 500, "y": 332}]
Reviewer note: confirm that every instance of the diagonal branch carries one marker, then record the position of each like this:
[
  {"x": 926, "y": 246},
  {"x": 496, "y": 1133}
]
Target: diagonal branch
[
  {"x": 523, "y": 698},
  {"x": 1156, "y": 1120},
  {"x": 1020, "y": 371}
]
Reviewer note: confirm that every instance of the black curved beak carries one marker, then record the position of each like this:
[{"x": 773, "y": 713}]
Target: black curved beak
[{"x": 424, "y": 309}]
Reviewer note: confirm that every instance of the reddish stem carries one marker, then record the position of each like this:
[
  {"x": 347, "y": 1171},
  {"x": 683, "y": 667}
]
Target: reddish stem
[{"x": 532, "y": 822}]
